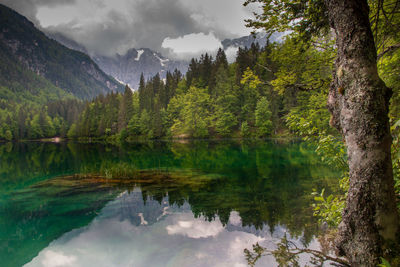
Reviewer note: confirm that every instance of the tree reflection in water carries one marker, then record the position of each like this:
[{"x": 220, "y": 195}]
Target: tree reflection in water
[{"x": 49, "y": 189}]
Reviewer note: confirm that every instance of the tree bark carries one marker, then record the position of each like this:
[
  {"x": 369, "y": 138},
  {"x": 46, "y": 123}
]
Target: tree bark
[{"x": 359, "y": 103}]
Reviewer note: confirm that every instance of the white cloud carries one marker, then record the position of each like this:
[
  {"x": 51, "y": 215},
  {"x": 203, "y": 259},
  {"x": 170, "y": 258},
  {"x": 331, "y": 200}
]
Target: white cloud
[
  {"x": 195, "y": 228},
  {"x": 231, "y": 53},
  {"x": 235, "y": 219},
  {"x": 57, "y": 259},
  {"x": 192, "y": 44}
]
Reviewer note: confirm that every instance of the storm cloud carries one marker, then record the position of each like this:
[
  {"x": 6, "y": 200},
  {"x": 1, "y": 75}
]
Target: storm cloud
[
  {"x": 106, "y": 27},
  {"x": 29, "y": 8}
]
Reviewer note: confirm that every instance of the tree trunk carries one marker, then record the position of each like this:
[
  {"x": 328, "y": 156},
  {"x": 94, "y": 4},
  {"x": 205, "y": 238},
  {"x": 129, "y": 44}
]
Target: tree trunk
[{"x": 359, "y": 103}]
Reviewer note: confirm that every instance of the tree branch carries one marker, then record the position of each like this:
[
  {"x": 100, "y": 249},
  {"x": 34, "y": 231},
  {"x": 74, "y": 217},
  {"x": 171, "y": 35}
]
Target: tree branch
[
  {"x": 265, "y": 67},
  {"x": 389, "y": 49},
  {"x": 318, "y": 254}
]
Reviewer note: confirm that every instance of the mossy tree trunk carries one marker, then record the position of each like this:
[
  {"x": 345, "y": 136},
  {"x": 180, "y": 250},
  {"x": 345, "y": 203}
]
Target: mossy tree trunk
[{"x": 359, "y": 103}]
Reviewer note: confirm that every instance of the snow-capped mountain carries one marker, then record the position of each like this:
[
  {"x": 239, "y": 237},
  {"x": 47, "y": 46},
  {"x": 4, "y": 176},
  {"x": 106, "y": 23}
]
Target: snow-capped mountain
[{"x": 128, "y": 67}]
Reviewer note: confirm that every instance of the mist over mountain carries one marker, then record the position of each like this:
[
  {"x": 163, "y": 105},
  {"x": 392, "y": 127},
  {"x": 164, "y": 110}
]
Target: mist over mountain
[
  {"x": 32, "y": 64},
  {"x": 128, "y": 67}
]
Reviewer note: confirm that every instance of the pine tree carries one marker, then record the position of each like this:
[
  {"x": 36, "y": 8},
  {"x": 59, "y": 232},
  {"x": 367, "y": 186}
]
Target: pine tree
[
  {"x": 220, "y": 59},
  {"x": 141, "y": 90},
  {"x": 125, "y": 109}
]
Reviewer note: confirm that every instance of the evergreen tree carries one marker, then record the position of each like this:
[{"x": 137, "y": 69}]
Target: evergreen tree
[
  {"x": 263, "y": 118},
  {"x": 141, "y": 92},
  {"x": 125, "y": 109}
]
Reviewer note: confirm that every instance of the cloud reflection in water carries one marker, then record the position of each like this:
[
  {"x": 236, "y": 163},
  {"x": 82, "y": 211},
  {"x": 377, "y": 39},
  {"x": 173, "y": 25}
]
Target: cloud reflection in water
[{"x": 118, "y": 237}]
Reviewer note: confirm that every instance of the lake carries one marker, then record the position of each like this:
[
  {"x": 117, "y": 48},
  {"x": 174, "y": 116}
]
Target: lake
[{"x": 199, "y": 203}]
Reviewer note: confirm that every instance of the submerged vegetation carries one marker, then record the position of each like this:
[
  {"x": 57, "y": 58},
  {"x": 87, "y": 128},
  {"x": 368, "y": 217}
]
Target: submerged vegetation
[{"x": 54, "y": 188}]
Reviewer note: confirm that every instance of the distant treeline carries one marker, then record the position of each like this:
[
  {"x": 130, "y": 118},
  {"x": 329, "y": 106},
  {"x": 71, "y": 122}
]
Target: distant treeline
[
  {"x": 215, "y": 99},
  {"x": 278, "y": 89}
]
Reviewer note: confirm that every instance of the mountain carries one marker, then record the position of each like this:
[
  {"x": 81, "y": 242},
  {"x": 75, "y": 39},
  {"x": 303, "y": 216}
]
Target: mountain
[
  {"x": 36, "y": 68},
  {"x": 246, "y": 41},
  {"x": 71, "y": 44},
  {"x": 128, "y": 67}
]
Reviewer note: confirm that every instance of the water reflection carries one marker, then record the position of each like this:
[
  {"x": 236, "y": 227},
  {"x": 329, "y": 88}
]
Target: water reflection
[
  {"x": 171, "y": 236},
  {"x": 199, "y": 203}
]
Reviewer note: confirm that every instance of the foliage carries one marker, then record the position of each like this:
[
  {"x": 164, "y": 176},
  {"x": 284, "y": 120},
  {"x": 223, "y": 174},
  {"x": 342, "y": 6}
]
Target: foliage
[
  {"x": 329, "y": 209},
  {"x": 287, "y": 255},
  {"x": 384, "y": 263},
  {"x": 310, "y": 120},
  {"x": 250, "y": 79},
  {"x": 263, "y": 118},
  {"x": 304, "y": 16},
  {"x": 215, "y": 99},
  {"x": 245, "y": 130},
  {"x": 194, "y": 115},
  {"x": 302, "y": 66},
  {"x": 308, "y": 117},
  {"x": 396, "y": 158},
  {"x": 253, "y": 256},
  {"x": 19, "y": 121}
]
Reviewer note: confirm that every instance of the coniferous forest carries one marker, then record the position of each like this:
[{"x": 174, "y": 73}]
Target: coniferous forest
[
  {"x": 250, "y": 98},
  {"x": 276, "y": 90}
]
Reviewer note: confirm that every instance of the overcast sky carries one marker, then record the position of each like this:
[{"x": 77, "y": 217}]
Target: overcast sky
[{"x": 174, "y": 27}]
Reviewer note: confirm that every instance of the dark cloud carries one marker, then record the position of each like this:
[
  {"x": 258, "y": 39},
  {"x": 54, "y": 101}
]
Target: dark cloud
[
  {"x": 29, "y": 8},
  {"x": 147, "y": 24},
  {"x": 129, "y": 23}
]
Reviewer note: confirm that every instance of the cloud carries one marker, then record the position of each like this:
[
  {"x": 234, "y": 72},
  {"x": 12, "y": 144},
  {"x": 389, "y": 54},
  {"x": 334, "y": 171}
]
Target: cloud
[
  {"x": 108, "y": 27},
  {"x": 231, "y": 53},
  {"x": 178, "y": 239},
  {"x": 29, "y": 8},
  {"x": 121, "y": 25},
  {"x": 57, "y": 259},
  {"x": 192, "y": 45},
  {"x": 195, "y": 228},
  {"x": 110, "y": 242},
  {"x": 235, "y": 219}
]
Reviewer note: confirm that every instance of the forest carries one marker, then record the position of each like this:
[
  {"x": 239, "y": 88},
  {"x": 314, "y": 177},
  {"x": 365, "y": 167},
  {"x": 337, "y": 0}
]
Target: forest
[
  {"x": 257, "y": 96},
  {"x": 277, "y": 90}
]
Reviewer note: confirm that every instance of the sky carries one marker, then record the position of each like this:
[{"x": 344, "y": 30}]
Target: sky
[{"x": 176, "y": 28}]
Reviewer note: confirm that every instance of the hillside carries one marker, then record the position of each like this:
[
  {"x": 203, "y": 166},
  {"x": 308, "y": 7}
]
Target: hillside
[{"x": 35, "y": 67}]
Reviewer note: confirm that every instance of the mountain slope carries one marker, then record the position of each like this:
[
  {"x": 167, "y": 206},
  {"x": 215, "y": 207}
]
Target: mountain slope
[
  {"x": 19, "y": 84},
  {"x": 31, "y": 62},
  {"x": 128, "y": 67}
]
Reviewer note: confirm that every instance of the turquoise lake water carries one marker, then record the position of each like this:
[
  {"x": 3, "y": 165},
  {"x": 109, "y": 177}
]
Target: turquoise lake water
[{"x": 186, "y": 204}]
